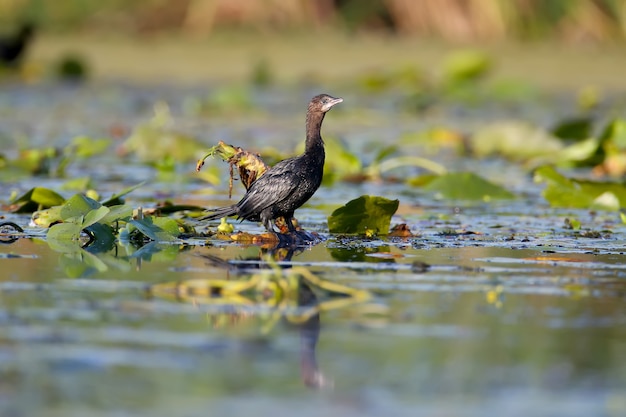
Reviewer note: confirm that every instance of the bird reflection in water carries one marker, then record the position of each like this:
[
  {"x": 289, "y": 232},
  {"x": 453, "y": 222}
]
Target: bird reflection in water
[{"x": 308, "y": 302}]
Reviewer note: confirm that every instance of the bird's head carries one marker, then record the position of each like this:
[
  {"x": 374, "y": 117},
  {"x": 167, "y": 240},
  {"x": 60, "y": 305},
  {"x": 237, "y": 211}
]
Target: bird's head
[{"x": 323, "y": 103}]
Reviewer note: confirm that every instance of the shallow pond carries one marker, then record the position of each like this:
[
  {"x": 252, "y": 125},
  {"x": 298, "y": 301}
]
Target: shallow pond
[{"x": 489, "y": 309}]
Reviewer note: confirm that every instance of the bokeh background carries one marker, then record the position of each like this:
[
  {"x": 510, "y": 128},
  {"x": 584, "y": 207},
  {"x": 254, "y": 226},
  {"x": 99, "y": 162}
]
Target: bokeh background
[{"x": 197, "y": 40}]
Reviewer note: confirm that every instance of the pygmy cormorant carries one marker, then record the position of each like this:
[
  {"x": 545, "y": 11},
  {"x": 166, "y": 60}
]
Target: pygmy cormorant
[{"x": 291, "y": 182}]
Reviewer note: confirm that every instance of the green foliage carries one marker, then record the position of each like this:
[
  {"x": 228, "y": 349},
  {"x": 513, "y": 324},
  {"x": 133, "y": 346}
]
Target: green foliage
[
  {"x": 234, "y": 98},
  {"x": 158, "y": 229},
  {"x": 156, "y": 141},
  {"x": 36, "y": 198},
  {"x": 465, "y": 186},
  {"x": 571, "y": 193},
  {"x": 514, "y": 140},
  {"x": 465, "y": 66},
  {"x": 365, "y": 215},
  {"x": 574, "y": 129},
  {"x": 51, "y": 161},
  {"x": 262, "y": 74},
  {"x": 72, "y": 68},
  {"x": 340, "y": 162}
]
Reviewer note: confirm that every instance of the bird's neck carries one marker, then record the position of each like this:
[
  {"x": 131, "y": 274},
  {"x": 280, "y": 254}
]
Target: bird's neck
[{"x": 314, "y": 140}]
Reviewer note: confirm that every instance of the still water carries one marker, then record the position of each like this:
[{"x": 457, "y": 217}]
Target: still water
[{"x": 513, "y": 314}]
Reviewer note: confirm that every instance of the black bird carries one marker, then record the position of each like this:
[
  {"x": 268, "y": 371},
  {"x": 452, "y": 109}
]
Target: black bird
[
  {"x": 291, "y": 182},
  {"x": 12, "y": 48}
]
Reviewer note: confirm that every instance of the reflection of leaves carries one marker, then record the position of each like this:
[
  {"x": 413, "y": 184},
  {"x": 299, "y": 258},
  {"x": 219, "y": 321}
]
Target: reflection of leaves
[
  {"x": 277, "y": 289},
  {"x": 64, "y": 237},
  {"x": 466, "y": 186},
  {"x": 81, "y": 263},
  {"x": 364, "y": 215},
  {"x": 565, "y": 192}
]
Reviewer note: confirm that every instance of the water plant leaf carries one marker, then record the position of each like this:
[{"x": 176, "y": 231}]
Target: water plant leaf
[
  {"x": 158, "y": 130},
  {"x": 249, "y": 165},
  {"x": 466, "y": 186},
  {"x": 572, "y": 193},
  {"x": 36, "y": 198},
  {"x": 120, "y": 212},
  {"x": 95, "y": 216},
  {"x": 578, "y": 128},
  {"x": 340, "y": 162},
  {"x": 515, "y": 140},
  {"x": 77, "y": 207},
  {"x": 117, "y": 199},
  {"x": 103, "y": 238},
  {"x": 86, "y": 147},
  {"x": 159, "y": 229},
  {"x": 466, "y": 65},
  {"x": 363, "y": 214},
  {"x": 80, "y": 184}
]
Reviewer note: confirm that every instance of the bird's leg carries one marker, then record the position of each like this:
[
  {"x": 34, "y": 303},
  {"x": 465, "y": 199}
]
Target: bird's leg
[
  {"x": 267, "y": 222},
  {"x": 290, "y": 226}
]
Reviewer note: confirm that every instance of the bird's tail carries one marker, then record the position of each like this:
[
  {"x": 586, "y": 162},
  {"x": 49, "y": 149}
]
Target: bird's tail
[{"x": 220, "y": 212}]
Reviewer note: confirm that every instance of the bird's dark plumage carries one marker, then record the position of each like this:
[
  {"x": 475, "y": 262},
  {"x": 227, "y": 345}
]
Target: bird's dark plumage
[{"x": 291, "y": 182}]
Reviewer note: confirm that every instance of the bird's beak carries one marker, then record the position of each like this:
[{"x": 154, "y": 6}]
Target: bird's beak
[{"x": 331, "y": 103}]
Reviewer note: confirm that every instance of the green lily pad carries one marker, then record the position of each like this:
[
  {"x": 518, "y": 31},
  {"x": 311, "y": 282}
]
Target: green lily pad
[
  {"x": 466, "y": 186},
  {"x": 37, "y": 198},
  {"x": 466, "y": 65},
  {"x": 86, "y": 147},
  {"x": 574, "y": 129},
  {"x": 159, "y": 229},
  {"x": 120, "y": 212},
  {"x": 571, "y": 193},
  {"x": 77, "y": 207},
  {"x": 364, "y": 215},
  {"x": 515, "y": 140}
]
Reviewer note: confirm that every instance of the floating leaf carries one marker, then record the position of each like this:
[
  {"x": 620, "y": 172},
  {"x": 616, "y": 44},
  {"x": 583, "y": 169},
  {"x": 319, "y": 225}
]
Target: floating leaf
[
  {"x": 574, "y": 129},
  {"x": 158, "y": 131},
  {"x": 35, "y": 199},
  {"x": 86, "y": 147},
  {"x": 77, "y": 207},
  {"x": 466, "y": 186},
  {"x": 95, "y": 216},
  {"x": 366, "y": 213},
  {"x": 80, "y": 184},
  {"x": 515, "y": 140},
  {"x": 466, "y": 65},
  {"x": 159, "y": 229},
  {"x": 117, "y": 213},
  {"x": 565, "y": 192}
]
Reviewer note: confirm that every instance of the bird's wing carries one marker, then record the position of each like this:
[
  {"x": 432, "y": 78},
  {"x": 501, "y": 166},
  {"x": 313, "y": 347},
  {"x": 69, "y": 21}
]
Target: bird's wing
[{"x": 273, "y": 186}]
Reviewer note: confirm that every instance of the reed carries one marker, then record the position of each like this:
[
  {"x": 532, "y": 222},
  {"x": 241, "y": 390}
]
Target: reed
[{"x": 454, "y": 20}]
